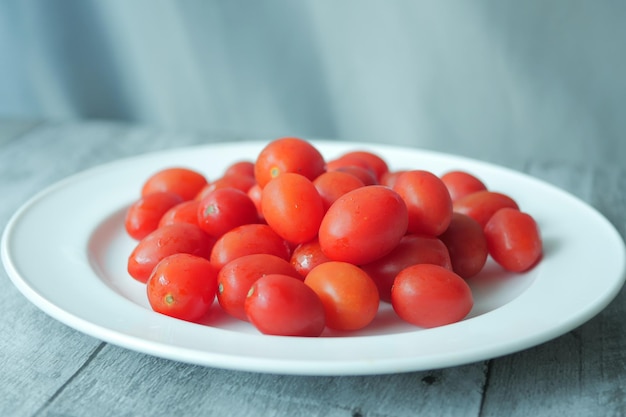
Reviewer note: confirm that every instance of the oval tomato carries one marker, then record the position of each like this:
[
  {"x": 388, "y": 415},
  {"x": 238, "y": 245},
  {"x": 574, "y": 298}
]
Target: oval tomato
[
  {"x": 428, "y": 201},
  {"x": 307, "y": 256},
  {"x": 461, "y": 183},
  {"x": 363, "y": 225},
  {"x": 248, "y": 239},
  {"x": 513, "y": 239},
  {"x": 467, "y": 245},
  {"x": 412, "y": 250},
  {"x": 288, "y": 155},
  {"x": 430, "y": 296},
  {"x": 144, "y": 215},
  {"x": 224, "y": 209},
  {"x": 333, "y": 184},
  {"x": 349, "y": 295},
  {"x": 166, "y": 241},
  {"x": 185, "y": 212},
  {"x": 283, "y": 306},
  {"x": 237, "y": 276},
  {"x": 182, "y": 181},
  {"x": 182, "y": 286},
  {"x": 481, "y": 205}
]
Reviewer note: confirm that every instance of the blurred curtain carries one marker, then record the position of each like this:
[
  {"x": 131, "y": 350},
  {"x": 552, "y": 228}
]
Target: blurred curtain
[{"x": 460, "y": 76}]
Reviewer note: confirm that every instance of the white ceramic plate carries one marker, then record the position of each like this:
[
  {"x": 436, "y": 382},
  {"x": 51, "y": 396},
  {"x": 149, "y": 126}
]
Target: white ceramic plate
[{"x": 66, "y": 251}]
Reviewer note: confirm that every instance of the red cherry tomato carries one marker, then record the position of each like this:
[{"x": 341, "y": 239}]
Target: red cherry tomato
[
  {"x": 236, "y": 277},
  {"x": 349, "y": 295},
  {"x": 389, "y": 179},
  {"x": 429, "y": 295},
  {"x": 373, "y": 160},
  {"x": 363, "y": 225},
  {"x": 292, "y": 207},
  {"x": 166, "y": 241},
  {"x": 240, "y": 168},
  {"x": 224, "y": 209},
  {"x": 182, "y": 286},
  {"x": 307, "y": 256},
  {"x": 144, "y": 215},
  {"x": 240, "y": 182},
  {"x": 467, "y": 245},
  {"x": 283, "y": 306},
  {"x": 513, "y": 239},
  {"x": 182, "y": 181},
  {"x": 333, "y": 184},
  {"x": 481, "y": 205},
  {"x": 247, "y": 240},
  {"x": 366, "y": 176},
  {"x": 428, "y": 201},
  {"x": 185, "y": 212},
  {"x": 462, "y": 183},
  {"x": 288, "y": 155},
  {"x": 412, "y": 250}
]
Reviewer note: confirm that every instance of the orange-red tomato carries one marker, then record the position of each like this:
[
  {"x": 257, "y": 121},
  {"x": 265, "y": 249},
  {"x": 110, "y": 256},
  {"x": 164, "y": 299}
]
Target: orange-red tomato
[
  {"x": 462, "y": 183},
  {"x": 333, "y": 184},
  {"x": 292, "y": 206},
  {"x": 373, "y": 160},
  {"x": 237, "y": 276},
  {"x": 288, "y": 155},
  {"x": 185, "y": 212},
  {"x": 182, "y": 286},
  {"x": 428, "y": 201},
  {"x": 182, "y": 181},
  {"x": 240, "y": 168},
  {"x": 307, "y": 256},
  {"x": 481, "y": 205},
  {"x": 246, "y": 240},
  {"x": 363, "y": 225},
  {"x": 412, "y": 250},
  {"x": 224, "y": 209},
  {"x": 513, "y": 239},
  {"x": 240, "y": 182},
  {"x": 467, "y": 245},
  {"x": 429, "y": 295},
  {"x": 349, "y": 295},
  {"x": 144, "y": 215},
  {"x": 283, "y": 306},
  {"x": 166, "y": 241}
]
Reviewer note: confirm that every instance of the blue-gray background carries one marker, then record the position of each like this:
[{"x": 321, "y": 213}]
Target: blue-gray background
[{"x": 467, "y": 77}]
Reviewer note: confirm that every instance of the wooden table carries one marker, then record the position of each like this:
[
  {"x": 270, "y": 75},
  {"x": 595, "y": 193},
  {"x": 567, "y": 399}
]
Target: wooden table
[{"x": 49, "y": 369}]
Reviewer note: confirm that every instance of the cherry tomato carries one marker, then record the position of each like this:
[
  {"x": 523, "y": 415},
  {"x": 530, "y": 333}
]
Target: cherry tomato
[
  {"x": 513, "y": 239},
  {"x": 256, "y": 193},
  {"x": 292, "y": 206},
  {"x": 165, "y": 241},
  {"x": 412, "y": 249},
  {"x": 349, "y": 295},
  {"x": 236, "y": 277},
  {"x": 363, "y": 225},
  {"x": 367, "y": 176},
  {"x": 185, "y": 212},
  {"x": 333, "y": 184},
  {"x": 373, "y": 160},
  {"x": 144, "y": 215},
  {"x": 248, "y": 239},
  {"x": 307, "y": 256},
  {"x": 240, "y": 182},
  {"x": 281, "y": 305},
  {"x": 182, "y": 181},
  {"x": 428, "y": 201},
  {"x": 467, "y": 245},
  {"x": 224, "y": 209},
  {"x": 182, "y": 286},
  {"x": 481, "y": 205},
  {"x": 429, "y": 295},
  {"x": 462, "y": 183},
  {"x": 389, "y": 179},
  {"x": 240, "y": 168},
  {"x": 288, "y": 155}
]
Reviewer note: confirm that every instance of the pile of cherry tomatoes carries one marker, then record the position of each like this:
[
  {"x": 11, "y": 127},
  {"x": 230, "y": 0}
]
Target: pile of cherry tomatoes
[{"x": 294, "y": 243}]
